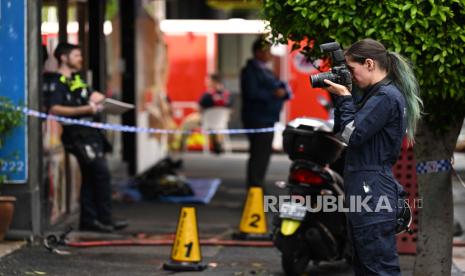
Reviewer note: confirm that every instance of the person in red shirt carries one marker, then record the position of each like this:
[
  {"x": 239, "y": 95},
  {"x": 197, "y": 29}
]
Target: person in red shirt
[{"x": 215, "y": 96}]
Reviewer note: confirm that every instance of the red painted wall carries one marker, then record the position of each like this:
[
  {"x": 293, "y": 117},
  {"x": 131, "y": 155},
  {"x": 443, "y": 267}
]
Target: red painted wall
[
  {"x": 305, "y": 101},
  {"x": 187, "y": 55},
  {"x": 188, "y": 58}
]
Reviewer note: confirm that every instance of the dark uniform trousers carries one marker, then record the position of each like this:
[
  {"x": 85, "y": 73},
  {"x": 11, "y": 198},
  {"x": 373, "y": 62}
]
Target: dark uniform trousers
[
  {"x": 375, "y": 250},
  {"x": 260, "y": 149},
  {"x": 96, "y": 181}
]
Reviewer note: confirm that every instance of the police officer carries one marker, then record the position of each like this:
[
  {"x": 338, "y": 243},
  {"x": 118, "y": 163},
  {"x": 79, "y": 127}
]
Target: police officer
[
  {"x": 374, "y": 128},
  {"x": 68, "y": 95}
]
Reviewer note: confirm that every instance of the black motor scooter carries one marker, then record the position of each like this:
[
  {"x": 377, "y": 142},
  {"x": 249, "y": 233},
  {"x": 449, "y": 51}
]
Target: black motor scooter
[{"x": 302, "y": 232}]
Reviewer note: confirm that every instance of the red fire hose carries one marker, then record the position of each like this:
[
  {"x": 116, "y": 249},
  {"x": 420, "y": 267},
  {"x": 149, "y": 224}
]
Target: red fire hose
[
  {"x": 51, "y": 242},
  {"x": 161, "y": 242}
]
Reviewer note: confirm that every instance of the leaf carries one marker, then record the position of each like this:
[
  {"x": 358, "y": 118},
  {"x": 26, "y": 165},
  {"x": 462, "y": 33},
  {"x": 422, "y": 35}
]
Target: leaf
[
  {"x": 406, "y": 7},
  {"x": 434, "y": 11},
  {"x": 441, "y": 68},
  {"x": 326, "y": 22},
  {"x": 413, "y": 12},
  {"x": 443, "y": 16},
  {"x": 313, "y": 3},
  {"x": 409, "y": 49},
  {"x": 423, "y": 23},
  {"x": 304, "y": 13},
  {"x": 370, "y": 31},
  {"x": 408, "y": 24}
]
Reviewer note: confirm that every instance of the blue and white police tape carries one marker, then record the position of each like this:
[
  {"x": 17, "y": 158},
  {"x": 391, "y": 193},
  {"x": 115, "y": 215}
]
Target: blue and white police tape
[
  {"x": 434, "y": 166},
  {"x": 126, "y": 128}
]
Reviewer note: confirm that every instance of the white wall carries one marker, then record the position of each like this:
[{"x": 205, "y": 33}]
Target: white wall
[{"x": 149, "y": 149}]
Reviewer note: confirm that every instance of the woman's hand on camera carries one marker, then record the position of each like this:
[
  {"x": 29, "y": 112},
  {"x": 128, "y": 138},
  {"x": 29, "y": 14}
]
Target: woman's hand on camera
[{"x": 336, "y": 89}]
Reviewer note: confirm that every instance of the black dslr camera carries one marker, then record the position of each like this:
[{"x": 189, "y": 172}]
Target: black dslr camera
[{"x": 339, "y": 73}]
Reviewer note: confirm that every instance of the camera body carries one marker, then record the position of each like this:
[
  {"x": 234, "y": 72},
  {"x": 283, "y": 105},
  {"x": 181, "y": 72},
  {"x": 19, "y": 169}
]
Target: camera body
[{"x": 339, "y": 73}]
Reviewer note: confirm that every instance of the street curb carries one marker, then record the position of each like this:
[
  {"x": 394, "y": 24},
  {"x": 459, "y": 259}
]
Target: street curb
[{"x": 8, "y": 247}]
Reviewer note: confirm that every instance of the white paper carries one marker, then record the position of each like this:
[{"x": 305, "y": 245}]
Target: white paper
[{"x": 111, "y": 106}]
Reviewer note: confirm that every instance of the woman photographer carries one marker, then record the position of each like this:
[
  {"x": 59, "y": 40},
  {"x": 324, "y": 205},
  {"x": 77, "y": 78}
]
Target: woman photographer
[{"x": 373, "y": 128}]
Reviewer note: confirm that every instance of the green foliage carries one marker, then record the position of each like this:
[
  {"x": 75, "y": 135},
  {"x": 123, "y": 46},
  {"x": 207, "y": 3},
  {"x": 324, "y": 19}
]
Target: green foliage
[
  {"x": 10, "y": 118},
  {"x": 429, "y": 33},
  {"x": 112, "y": 8}
]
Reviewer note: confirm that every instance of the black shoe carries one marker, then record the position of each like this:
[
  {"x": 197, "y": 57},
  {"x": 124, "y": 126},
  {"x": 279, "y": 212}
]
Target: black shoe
[
  {"x": 218, "y": 148},
  {"x": 120, "y": 224},
  {"x": 458, "y": 231},
  {"x": 97, "y": 226}
]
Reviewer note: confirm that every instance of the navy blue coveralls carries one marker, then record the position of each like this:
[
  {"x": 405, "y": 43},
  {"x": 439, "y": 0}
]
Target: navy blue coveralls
[
  {"x": 87, "y": 144},
  {"x": 373, "y": 128}
]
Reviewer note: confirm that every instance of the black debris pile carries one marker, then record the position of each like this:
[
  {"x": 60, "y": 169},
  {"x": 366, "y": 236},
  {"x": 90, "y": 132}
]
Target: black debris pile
[{"x": 163, "y": 179}]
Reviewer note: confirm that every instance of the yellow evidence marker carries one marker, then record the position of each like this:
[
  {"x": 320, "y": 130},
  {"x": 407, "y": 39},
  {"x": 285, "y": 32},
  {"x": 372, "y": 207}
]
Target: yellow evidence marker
[
  {"x": 253, "y": 222},
  {"x": 185, "y": 254}
]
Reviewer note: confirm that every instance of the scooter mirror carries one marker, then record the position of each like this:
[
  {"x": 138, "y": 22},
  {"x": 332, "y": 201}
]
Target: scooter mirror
[
  {"x": 280, "y": 184},
  {"x": 324, "y": 103}
]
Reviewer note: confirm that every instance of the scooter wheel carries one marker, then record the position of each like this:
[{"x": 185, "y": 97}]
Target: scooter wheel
[{"x": 293, "y": 263}]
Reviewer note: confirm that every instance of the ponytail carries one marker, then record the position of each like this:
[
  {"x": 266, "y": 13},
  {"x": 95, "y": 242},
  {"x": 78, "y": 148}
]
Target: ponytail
[{"x": 404, "y": 78}]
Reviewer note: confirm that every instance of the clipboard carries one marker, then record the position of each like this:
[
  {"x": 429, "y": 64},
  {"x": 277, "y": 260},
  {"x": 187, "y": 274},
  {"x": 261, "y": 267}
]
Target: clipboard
[{"x": 115, "y": 107}]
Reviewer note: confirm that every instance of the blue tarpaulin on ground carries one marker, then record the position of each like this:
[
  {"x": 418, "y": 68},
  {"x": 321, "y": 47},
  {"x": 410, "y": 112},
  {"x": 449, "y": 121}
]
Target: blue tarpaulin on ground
[{"x": 203, "y": 189}]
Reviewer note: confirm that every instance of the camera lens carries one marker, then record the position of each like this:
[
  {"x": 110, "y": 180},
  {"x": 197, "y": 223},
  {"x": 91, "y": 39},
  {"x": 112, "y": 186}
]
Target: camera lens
[{"x": 317, "y": 80}]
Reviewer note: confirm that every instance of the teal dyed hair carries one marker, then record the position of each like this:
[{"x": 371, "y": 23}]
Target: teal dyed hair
[
  {"x": 399, "y": 71},
  {"x": 404, "y": 78}
]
